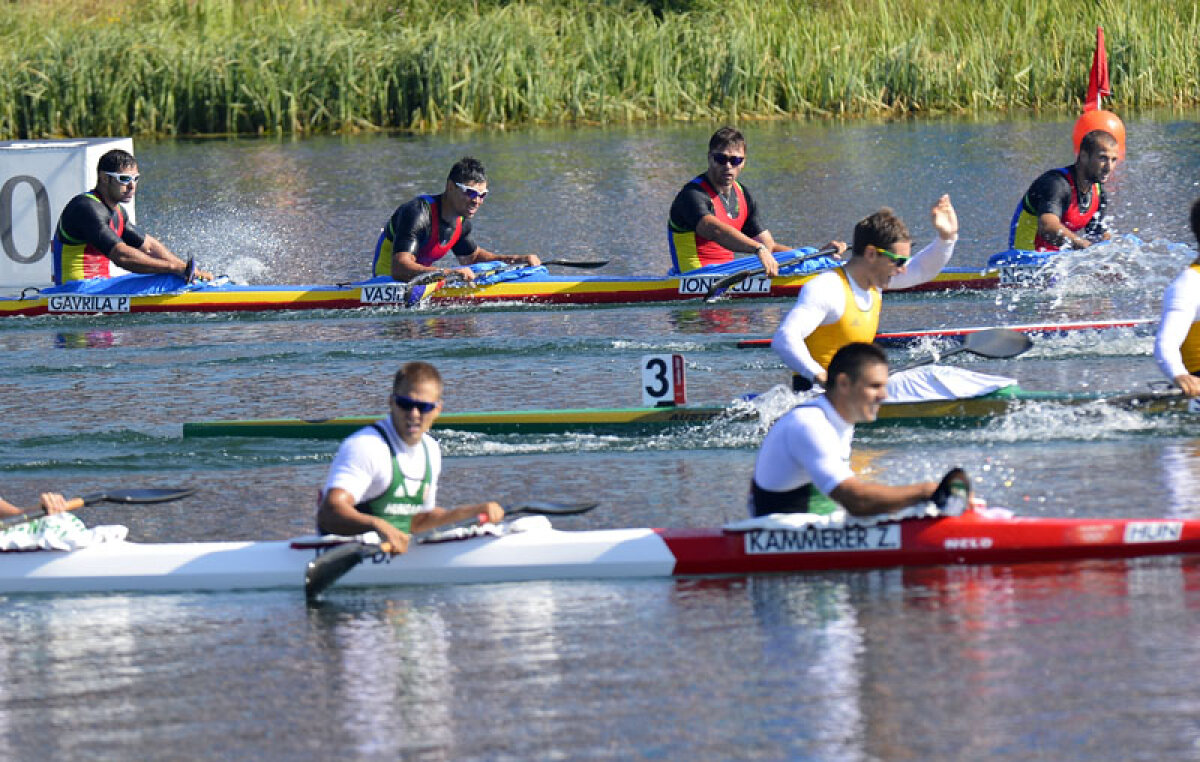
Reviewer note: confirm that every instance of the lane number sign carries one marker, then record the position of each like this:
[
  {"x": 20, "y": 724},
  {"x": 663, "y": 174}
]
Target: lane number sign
[{"x": 663, "y": 381}]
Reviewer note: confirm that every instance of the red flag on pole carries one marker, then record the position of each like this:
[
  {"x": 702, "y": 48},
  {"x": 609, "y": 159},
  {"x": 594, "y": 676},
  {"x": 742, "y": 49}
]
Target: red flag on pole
[{"x": 1098, "y": 84}]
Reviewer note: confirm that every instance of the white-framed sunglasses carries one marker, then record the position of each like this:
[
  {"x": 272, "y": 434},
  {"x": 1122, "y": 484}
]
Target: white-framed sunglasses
[
  {"x": 472, "y": 193},
  {"x": 123, "y": 178}
]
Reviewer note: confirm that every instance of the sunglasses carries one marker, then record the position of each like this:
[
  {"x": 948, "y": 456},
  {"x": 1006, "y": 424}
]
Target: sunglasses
[
  {"x": 471, "y": 193},
  {"x": 122, "y": 178},
  {"x": 899, "y": 260},
  {"x": 408, "y": 403},
  {"x": 724, "y": 158}
]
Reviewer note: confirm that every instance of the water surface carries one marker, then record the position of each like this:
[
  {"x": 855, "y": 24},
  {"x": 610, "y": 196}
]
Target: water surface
[{"x": 1085, "y": 661}]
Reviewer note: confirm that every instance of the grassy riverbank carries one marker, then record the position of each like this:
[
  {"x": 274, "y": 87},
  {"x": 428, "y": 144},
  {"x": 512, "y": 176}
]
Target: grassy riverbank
[{"x": 176, "y": 67}]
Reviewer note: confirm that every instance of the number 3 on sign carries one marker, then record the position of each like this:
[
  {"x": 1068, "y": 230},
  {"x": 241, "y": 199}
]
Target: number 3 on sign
[{"x": 662, "y": 381}]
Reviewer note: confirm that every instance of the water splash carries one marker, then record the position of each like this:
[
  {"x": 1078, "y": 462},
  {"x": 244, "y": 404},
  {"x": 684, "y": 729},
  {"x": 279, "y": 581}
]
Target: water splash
[{"x": 1125, "y": 271}]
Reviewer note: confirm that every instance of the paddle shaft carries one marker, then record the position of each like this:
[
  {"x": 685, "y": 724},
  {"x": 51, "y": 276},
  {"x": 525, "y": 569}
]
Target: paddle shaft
[
  {"x": 36, "y": 513},
  {"x": 729, "y": 281},
  {"x": 584, "y": 264},
  {"x": 117, "y": 496}
]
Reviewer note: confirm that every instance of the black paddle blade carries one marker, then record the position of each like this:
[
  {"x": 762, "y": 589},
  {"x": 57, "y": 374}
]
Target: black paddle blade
[
  {"x": 331, "y": 566},
  {"x": 997, "y": 343},
  {"x": 718, "y": 289},
  {"x": 547, "y": 508},
  {"x": 140, "y": 495},
  {"x": 584, "y": 265}
]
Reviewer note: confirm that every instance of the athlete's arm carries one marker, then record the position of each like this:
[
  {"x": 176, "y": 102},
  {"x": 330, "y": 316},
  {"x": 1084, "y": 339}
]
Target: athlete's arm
[
  {"x": 863, "y": 498},
  {"x": 152, "y": 256},
  {"x": 490, "y": 512},
  {"x": 693, "y": 210},
  {"x": 483, "y": 255},
  {"x": 361, "y": 469},
  {"x": 736, "y": 241},
  {"x": 1181, "y": 306},
  {"x": 51, "y": 502},
  {"x": 337, "y": 515},
  {"x": 925, "y": 264},
  {"x": 930, "y": 260},
  {"x": 822, "y": 301},
  {"x": 1097, "y": 228}
]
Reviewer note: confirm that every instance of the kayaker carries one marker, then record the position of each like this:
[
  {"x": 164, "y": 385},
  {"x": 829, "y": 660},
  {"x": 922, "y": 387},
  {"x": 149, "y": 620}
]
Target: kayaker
[
  {"x": 1065, "y": 208},
  {"x": 94, "y": 230},
  {"x": 53, "y": 502},
  {"x": 384, "y": 476},
  {"x": 803, "y": 464},
  {"x": 715, "y": 219},
  {"x": 407, "y": 246},
  {"x": 842, "y": 305},
  {"x": 1177, "y": 344}
]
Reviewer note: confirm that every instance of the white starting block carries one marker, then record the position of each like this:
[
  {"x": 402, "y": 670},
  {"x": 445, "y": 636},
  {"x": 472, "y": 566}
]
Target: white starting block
[{"x": 37, "y": 179}]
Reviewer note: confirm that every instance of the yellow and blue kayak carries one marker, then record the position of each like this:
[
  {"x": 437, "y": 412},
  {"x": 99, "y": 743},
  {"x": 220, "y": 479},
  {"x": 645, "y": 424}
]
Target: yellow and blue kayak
[{"x": 494, "y": 285}]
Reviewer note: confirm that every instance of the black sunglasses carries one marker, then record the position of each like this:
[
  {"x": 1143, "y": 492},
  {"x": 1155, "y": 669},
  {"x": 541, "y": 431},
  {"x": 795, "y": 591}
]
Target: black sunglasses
[
  {"x": 408, "y": 403},
  {"x": 724, "y": 158}
]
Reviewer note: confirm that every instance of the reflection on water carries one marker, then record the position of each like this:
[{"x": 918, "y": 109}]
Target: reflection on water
[
  {"x": 1180, "y": 469},
  {"x": 85, "y": 339}
]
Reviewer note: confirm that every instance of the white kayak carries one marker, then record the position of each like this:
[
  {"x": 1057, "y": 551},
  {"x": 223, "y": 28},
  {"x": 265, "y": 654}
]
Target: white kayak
[{"x": 541, "y": 552}]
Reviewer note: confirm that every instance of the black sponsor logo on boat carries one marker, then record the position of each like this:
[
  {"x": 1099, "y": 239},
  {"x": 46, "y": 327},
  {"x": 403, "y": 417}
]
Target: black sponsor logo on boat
[
  {"x": 388, "y": 293},
  {"x": 817, "y": 539},
  {"x": 1153, "y": 531},
  {"x": 87, "y": 303},
  {"x": 698, "y": 285}
]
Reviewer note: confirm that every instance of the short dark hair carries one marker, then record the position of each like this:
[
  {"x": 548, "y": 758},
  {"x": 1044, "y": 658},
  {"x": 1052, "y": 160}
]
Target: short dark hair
[
  {"x": 852, "y": 359},
  {"x": 1096, "y": 139},
  {"x": 881, "y": 230},
  {"x": 412, "y": 373},
  {"x": 1196, "y": 219},
  {"x": 726, "y": 137},
  {"x": 115, "y": 161},
  {"x": 468, "y": 169}
]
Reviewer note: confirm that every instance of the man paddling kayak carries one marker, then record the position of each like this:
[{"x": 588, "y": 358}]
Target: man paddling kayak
[
  {"x": 714, "y": 215},
  {"x": 427, "y": 228},
  {"x": 1177, "y": 344},
  {"x": 94, "y": 230},
  {"x": 803, "y": 464},
  {"x": 384, "y": 476},
  {"x": 842, "y": 305},
  {"x": 1064, "y": 208}
]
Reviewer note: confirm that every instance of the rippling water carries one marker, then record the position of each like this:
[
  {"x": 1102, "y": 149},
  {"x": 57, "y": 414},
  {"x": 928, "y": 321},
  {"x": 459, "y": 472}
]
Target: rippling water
[{"x": 1071, "y": 661}]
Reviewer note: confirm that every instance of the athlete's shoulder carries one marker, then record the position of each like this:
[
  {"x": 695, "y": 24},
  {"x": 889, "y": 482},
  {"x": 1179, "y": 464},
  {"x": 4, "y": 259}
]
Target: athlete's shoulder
[
  {"x": 85, "y": 203},
  {"x": 693, "y": 186}
]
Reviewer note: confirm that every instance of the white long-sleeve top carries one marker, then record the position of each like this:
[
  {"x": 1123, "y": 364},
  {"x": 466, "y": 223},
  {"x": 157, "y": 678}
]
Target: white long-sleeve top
[
  {"x": 822, "y": 301},
  {"x": 1181, "y": 308}
]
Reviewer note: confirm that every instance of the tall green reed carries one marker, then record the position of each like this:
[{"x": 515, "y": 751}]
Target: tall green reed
[{"x": 295, "y": 66}]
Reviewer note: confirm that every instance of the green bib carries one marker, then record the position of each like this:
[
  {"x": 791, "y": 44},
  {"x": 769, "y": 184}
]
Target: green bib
[{"x": 396, "y": 505}]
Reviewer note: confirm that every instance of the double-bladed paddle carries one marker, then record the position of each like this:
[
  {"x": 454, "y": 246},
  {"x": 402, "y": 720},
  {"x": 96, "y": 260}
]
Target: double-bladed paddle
[
  {"x": 718, "y": 289},
  {"x": 994, "y": 343},
  {"x": 128, "y": 496},
  {"x": 331, "y": 566}
]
